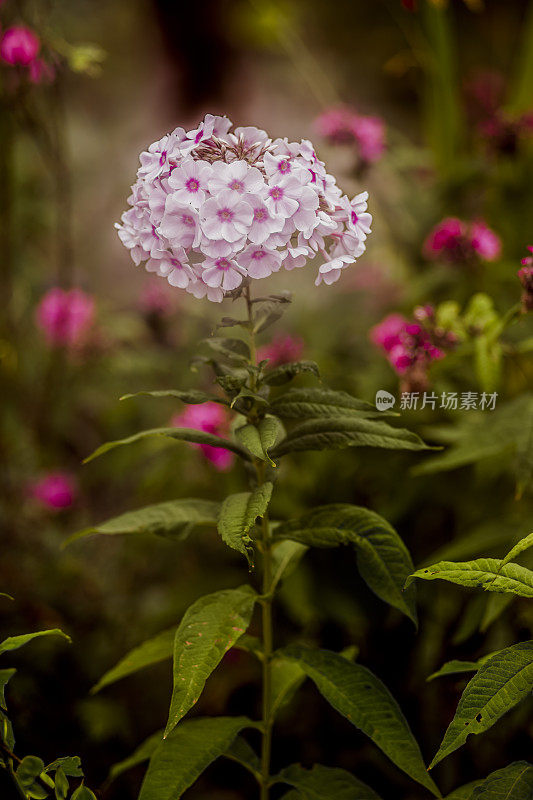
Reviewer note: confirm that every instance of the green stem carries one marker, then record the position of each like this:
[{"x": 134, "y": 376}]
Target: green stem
[{"x": 266, "y": 599}]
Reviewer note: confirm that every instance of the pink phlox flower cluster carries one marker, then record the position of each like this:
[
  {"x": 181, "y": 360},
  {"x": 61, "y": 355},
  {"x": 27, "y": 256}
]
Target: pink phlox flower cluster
[
  {"x": 55, "y": 491},
  {"x": 65, "y": 316},
  {"x": 20, "y": 46},
  {"x": 412, "y": 344},
  {"x": 459, "y": 242},
  {"x": 281, "y": 350},
  {"x": 212, "y": 418},
  {"x": 216, "y": 205},
  {"x": 343, "y": 125},
  {"x": 525, "y": 275}
]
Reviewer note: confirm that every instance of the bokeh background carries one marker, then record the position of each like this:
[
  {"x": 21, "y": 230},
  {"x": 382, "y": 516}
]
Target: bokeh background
[{"x": 451, "y": 85}]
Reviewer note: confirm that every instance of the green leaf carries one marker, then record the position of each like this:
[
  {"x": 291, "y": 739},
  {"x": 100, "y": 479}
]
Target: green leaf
[
  {"x": 363, "y": 699},
  {"x": 268, "y": 310},
  {"x": 482, "y": 573},
  {"x": 6, "y": 596},
  {"x": 238, "y": 515},
  {"x": 342, "y": 432},
  {"x": 14, "y": 642},
  {"x": 83, "y": 793},
  {"x": 523, "y": 544},
  {"x": 259, "y": 439},
  {"x": 241, "y": 752},
  {"x": 463, "y": 792},
  {"x": 190, "y": 396},
  {"x": 28, "y": 770},
  {"x": 514, "y": 782},
  {"x": 382, "y": 558},
  {"x": 150, "y": 652},
  {"x": 71, "y": 766},
  {"x": 142, "y": 753},
  {"x": 186, "y": 753},
  {"x": 6, "y": 732},
  {"x": 286, "y": 555},
  {"x": 286, "y": 372},
  {"x": 5, "y": 677},
  {"x": 234, "y": 349},
  {"x": 455, "y": 667},
  {"x": 181, "y": 434},
  {"x": 61, "y": 784},
  {"x": 317, "y": 402},
  {"x": 175, "y": 518},
  {"x": 287, "y": 677},
  {"x": 500, "y": 684},
  {"x": 325, "y": 783},
  {"x": 209, "y": 628}
]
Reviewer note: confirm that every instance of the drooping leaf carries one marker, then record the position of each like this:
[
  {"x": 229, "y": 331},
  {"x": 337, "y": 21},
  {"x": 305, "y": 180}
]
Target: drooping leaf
[
  {"x": 71, "y": 766},
  {"x": 286, "y": 555},
  {"x": 174, "y": 518},
  {"x": 315, "y": 402},
  {"x": 141, "y": 754},
  {"x": 14, "y": 642},
  {"x": 498, "y": 686},
  {"x": 523, "y": 544},
  {"x": 238, "y": 515},
  {"x": 189, "y": 396},
  {"x": 243, "y": 753},
  {"x": 260, "y": 439},
  {"x": 180, "y": 434},
  {"x": 455, "y": 667},
  {"x": 209, "y": 628},
  {"x": 286, "y": 372},
  {"x": 287, "y": 677},
  {"x": 234, "y": 349},
  {"x": 343, "y": 432},
  {"x": 382, "y": 558},
  {"x": 363, "y": 699},
  {"x": 326, "y": 783},
  {"x": 463, "y": 792},
  {"x": 514, "y": 782},
  {"x": 181, "y": 758},
  {"x": 154, "y": 650},
  {"x": 61, "y": 784},
  {"x": 83, "y": 793},
  {"x": 482, "y": 573},
  {"x": 5, "y": 677},
  {"x": 267, "y": 310}
]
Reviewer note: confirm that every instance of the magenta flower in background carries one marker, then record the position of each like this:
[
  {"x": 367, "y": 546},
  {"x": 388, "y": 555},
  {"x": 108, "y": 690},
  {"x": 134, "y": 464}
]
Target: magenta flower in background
[
  {"x": 212, "y": 418},
  {"x": 41, "y": 71},
  {"x": 525, "y": 275},
  {"x": 281, "y": 350},
  {"x": 459, "y": 242},
  {"x": 56, "y": 490},
  {"x": 343, "y": 125},
  {"x": 387, "y": 333},
  {"x": 337, "y": 125},
  {"x": 370, "y": 135},
  {"x": 19, "y": 45},
  {"x": 65, "y": 316}
]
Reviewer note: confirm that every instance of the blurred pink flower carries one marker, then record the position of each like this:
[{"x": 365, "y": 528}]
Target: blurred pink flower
[
  {"x": 19, "y": 45},
  {"x": 281, "y": 350},
  {"x": 525, "y": 275},
  {"x": 370, "y": 135},
  {"x": 41, "y": 71},
  {"x": 55, "y": 490},
  {"x": 212, "y": 418},
  {"x": 154, "y": 299},
  {"x": 336, "y": 124},
  {"x": 65, "y": 316},
  {"x": 343, "y": 125},
  {"x": 459, "y": 242},
  {"x": 387, "y": 333}
]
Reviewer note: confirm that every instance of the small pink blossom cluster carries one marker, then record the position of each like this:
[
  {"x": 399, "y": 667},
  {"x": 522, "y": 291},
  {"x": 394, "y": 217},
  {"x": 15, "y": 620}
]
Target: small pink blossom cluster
[
  {"x": 56, "y": 490},
  {"x": 411, "y": 345},
  {"x": 458, "y": 242},
  {"x": 212, "y": 418},
  {"x": 525, "y": 274},
  {"x": 65, "y": 316},
  {"x": 343, "y": 125},
  {"x": 20, "y": 46},
  {"x": 281, "y": 350},
  {"x": 213, "y": 206}
]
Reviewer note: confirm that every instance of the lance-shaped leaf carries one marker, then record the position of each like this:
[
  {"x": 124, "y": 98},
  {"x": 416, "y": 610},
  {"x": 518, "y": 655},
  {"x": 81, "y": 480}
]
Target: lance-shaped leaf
[
  {"x": 463, "y": 792},
  {"x": 235, "y": 350},
  {"x": 209, "y": 628},
  {"x": 260, "y": 439},
  {"x": 482, "y": 573},
  {"x": 181, "y": 758},
  {"x": 287, "y": 677},
  {"x": 316, "y": 402},
  {"x": 514, "y": 782},
  {"x": 238, "y": 515},
  {"x": 189, "y": 396},
  {"x": 243, "y": 753},
  {"x": 175, "y": 518},
  {"x": 5, "y": 677},
  {"x": 14, "y": 642},
  {"x": 152, "y": 651},
  {"x": 363, "y": 699},
  {"x": 382, "y": 558},
  {"x": 456, "y": 667},
  {"x": 342, "y": 432},
  {"x": 180, "y": 434},
  {"x": 523, "y": 544},
  {"x": 141, "y": 754},
  {"x": 498, "y": 686},
  {"x": 286, "y": 372},
  {"x": 286, "y": 556},
  {"x": 326, "y": 783}
]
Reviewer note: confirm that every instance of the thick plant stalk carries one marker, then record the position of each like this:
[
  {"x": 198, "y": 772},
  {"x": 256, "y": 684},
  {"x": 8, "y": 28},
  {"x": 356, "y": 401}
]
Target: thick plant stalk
[{"x": 266, "y": 599}]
